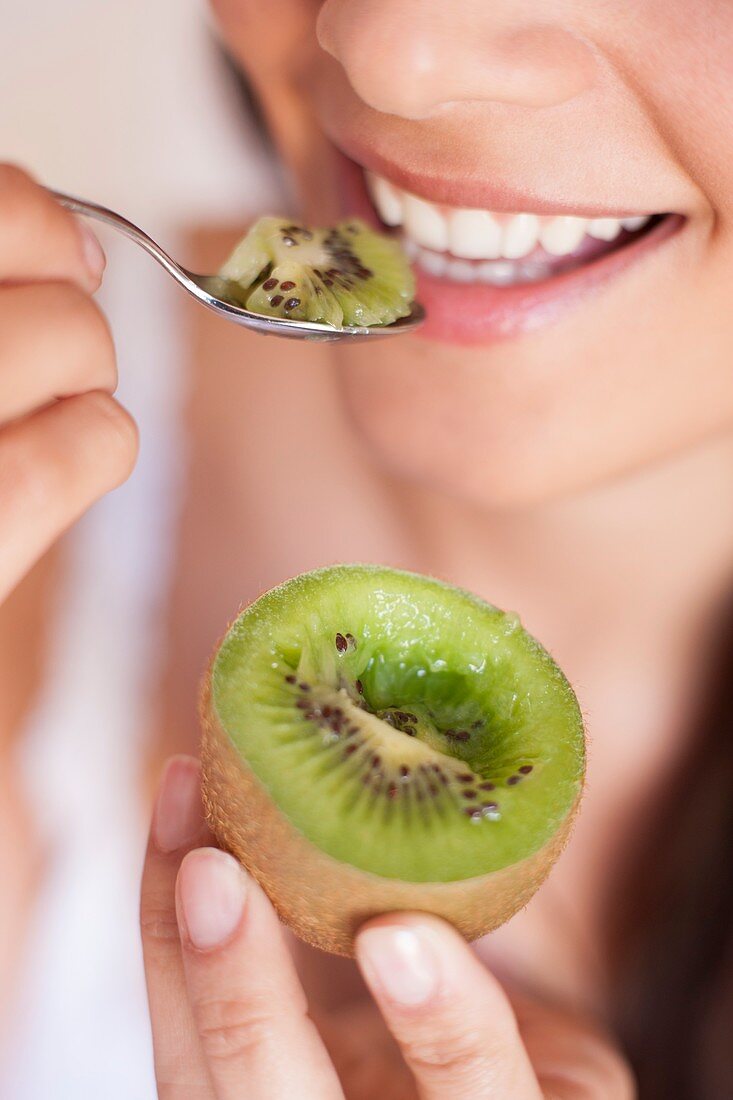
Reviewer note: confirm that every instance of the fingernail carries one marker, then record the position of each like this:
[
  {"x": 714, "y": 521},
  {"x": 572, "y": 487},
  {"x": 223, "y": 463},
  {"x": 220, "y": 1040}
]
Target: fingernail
[
  {"x": 94, "y": 256},
  {"x": 400, "y": 962},
  {"x": 212, "y": 889},
  {"x": 178, "y": 815}
]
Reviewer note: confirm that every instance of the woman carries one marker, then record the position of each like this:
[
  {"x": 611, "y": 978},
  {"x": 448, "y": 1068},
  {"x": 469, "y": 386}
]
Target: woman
[{"x": 559, "y": 441}]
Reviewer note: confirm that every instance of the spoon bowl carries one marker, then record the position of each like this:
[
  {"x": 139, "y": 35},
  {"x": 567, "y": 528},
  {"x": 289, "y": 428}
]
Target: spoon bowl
[{"x": 211, "y": 290}]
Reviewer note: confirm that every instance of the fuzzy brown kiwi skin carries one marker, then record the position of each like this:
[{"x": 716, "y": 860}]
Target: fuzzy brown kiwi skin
[{"x": 324, "y": 900}]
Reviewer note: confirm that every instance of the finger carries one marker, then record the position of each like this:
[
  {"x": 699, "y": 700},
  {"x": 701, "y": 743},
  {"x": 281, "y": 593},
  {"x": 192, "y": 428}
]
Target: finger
[
  {"x": 54, "y": 342},
  {"x": 39, "y": 240},
  {"x": 53, "y": 465},
  {"x": 178, "y": 824},
  {"x": 249, "y": 1007},
  {"x": 452, "y": 1019},
  {"x": 572, "y": 1057}
]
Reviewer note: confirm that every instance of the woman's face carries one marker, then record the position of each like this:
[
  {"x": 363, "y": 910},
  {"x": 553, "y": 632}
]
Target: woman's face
[{"x": 509, "y": 140}]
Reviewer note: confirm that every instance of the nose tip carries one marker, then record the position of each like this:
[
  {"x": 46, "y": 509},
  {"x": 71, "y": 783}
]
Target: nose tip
[{"x": 411, "y": 57}]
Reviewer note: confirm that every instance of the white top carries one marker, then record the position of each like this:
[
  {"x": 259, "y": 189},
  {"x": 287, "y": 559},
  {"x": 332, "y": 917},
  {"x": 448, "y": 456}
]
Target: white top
[{"x": 124, "y": 102}]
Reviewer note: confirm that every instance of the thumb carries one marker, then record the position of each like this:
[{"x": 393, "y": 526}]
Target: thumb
[{"x": 574, "y": 1058}]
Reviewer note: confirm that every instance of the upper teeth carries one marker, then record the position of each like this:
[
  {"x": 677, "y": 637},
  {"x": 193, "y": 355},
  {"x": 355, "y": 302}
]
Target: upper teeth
[{"x": 483, "y": 235}]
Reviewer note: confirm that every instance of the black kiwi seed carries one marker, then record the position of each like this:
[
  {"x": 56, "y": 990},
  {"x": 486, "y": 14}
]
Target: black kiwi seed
[
  {"x": 341, "y": 643},
  {"x": 269, "y": 284},
  {"x": 404, "y": 771},
  {"x": 349, "y": 749},
  {"x": 328, "y": 282},
  {"x": 303, "y": 686},
  {"x": 525, "y": 769},
  {"x": 302, "y": 704},
  {"x": 276, "y": 300},
  {"x": 487, "y": 786},
  {"x": 292, "y": 303},
  {"x": 287, "y": 285},
  {"x": 513, "y": 780},
  {"x": 327, "y": 711},
  {"x": 490, "y": 806},
  {"x": 359, "y": 687},
  {"x": 465, "y": 777},
  {"x": 468, "y": 793},
  {"x": 291, "y": 679},
  {"x": 458, "y": 735}
]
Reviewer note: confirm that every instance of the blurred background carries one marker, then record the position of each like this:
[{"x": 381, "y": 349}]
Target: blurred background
[{"x": 131, "y": 104}]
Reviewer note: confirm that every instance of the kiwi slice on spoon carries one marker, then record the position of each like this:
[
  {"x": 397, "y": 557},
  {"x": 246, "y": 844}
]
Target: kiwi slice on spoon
[
  {"x": 342, "y": 276},
  {"x": 375, "y": 740}
]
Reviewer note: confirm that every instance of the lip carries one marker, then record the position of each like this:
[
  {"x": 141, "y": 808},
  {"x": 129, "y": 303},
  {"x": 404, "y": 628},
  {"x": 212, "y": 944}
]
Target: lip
[
  {"x": 475, "y": 194},
  {"x": 461, "y": 313}
]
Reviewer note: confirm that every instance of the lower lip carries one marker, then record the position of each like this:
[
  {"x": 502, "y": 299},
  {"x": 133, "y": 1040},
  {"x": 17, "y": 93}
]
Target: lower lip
[{"x": 460, "y": 313}]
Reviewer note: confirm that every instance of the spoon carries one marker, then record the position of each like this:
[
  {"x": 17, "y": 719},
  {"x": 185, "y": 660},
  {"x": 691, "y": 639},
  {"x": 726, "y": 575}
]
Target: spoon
[{"x": 208, "y": 289}]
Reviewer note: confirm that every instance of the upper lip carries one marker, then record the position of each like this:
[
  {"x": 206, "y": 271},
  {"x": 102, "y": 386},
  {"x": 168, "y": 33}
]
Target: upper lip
[{"x": 477, "y": 194}]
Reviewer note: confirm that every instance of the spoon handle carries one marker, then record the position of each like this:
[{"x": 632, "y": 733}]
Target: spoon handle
[{"x": 127, "y": 228}]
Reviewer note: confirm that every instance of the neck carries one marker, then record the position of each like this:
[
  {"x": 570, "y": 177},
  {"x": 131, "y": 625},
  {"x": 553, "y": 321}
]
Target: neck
[{"x": 642, "y": 560}]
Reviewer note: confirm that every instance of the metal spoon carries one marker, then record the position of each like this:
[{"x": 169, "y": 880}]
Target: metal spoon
[{"x": 208, "y": 289}]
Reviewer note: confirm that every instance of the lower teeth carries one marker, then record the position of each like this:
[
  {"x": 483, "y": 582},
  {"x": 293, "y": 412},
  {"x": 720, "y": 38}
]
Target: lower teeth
[
  {"x": 491, "y": 272},
  {"x": 502, "y": 272}
]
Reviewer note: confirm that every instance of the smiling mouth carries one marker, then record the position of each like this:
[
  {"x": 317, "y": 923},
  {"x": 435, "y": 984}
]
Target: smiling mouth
[
  {"x": 490, "y": 274},
  {"x": 473, "y": 246}
]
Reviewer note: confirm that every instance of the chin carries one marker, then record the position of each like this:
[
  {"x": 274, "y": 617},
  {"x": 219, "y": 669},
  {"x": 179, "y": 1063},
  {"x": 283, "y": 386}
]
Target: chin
[
  {"x": 488, "y": 433},
  {"x": 442, "y": 436}
]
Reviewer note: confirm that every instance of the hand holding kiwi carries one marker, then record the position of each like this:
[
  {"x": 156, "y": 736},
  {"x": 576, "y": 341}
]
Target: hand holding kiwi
[
  {"x": 376, "y": 741},
  {"x": 230, "y": 1016}
]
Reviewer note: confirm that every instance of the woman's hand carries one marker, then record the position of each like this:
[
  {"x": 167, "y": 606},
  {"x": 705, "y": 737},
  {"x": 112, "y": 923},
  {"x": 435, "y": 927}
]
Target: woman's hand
[
  {"x": 230, "y": 1019},
  {"x": 64, "y": 441}
]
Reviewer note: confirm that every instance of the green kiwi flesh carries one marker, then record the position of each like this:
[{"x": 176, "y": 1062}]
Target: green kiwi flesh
[
  {"x": 346, "y": 275},
  {"x": 401, "y": 731}
]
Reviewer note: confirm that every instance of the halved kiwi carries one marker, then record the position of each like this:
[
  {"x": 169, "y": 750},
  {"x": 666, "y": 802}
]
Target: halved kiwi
[
  {"x": 344, "y": 275},
  {"x": 376, "y": 740}
]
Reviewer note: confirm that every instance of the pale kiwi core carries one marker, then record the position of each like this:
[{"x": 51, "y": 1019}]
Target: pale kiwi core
[{"x": 405, "y": 736}]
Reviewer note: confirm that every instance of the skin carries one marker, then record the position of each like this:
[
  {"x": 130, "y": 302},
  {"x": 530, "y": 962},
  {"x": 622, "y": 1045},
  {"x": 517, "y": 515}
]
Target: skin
[
  {"x": 582, "y": 474},
  {"x": 64, "y": 441}
]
